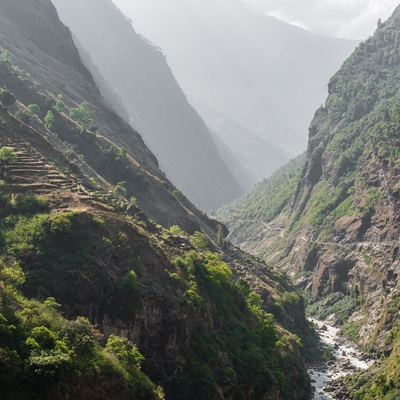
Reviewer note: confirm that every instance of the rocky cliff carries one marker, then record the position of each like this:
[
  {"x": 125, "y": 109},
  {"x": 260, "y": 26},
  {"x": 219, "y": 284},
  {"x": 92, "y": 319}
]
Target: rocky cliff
[{"x": 339, "y": 234}]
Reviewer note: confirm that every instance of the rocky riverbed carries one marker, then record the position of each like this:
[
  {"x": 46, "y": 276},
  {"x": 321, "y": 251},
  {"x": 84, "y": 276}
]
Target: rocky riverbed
[{"x": 345, "y": 359}]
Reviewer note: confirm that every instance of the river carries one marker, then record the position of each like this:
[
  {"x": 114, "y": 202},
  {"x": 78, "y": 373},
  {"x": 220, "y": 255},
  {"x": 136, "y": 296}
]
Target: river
[{"x": 347, "y": 360}]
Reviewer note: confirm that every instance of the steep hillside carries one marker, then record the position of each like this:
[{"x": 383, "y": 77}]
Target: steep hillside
[
  {"x": 341, "y": 229},
  {"x": 196, "y": 320},
  {"x": 99, "y": 139},
  {"x": 206, "y": 323},
  {"x": 254, "y": 69},
  {"x": 156, "y": 104},
  {"x": 248, "y": 218}
]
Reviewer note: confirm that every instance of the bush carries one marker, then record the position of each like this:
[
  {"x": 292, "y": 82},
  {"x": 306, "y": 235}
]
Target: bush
[
  {"x": 199, "y": 241},
  {"x": 7, "y": 98},
  {"x": 49, "y": 120},
  {"x": 23, "y": 116},
  {"x": 34, "y": 108},
  {"x": 82, "y": 115},
  {"x": 7, "y": 155}
]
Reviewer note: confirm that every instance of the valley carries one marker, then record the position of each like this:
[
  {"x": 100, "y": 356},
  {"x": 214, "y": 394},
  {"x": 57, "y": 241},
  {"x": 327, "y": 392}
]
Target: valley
[{"x": 119, "y": 277}]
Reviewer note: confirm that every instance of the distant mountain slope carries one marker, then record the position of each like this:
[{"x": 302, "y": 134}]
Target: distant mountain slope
[
  {"x": 255, "y": 157},
  {"x": 339, "y": 235},
  {"x": 248, "y": 218},
  {"x": 265, "y": 74},
  {"x": 156, "y": 104}
]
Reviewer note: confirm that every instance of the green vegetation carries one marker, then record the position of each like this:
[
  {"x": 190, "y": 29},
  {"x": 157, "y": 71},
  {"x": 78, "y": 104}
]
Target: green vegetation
[
  {"x": 49, "y": 120},
  {"x": 338, "y": 303},
  {"x": 59, "y": 106},
  {"x": 245, "y": 217},
  {"x": 82, "y": 115},
  {"x": 6, "y": 97},
  {"x": 253, "y": 349},
  {"x": 199, "y": 241},
  {"x": 22, "y": 74},
  {"x": 176, "y": 230},
  {"x": 23, "y": 116},
  {"x": 5, "y": 60},
  {"x": 34, "y": 108},
  {"x": 43, "y": 355},
  {"x": 7, "y": 155}
]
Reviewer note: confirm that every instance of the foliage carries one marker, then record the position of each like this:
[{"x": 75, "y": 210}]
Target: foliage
[
  {"x": 49, "y": 120},
  {"x": 6, "y": 97},
  {"x": 82, "y": 115},
  {"x": 120, "y": 189},
  {"x": 23, "y": 75},
  {"x": 7, "y": 155},
  {"x": 199, "y": 241},
  {"x": 177, "y": 231},
  {"x": 59, "y": 106},
  {"x": 40, "y": 351},
  {"x": 5, "y": 60},
  {"x": 34, "y": 108},
  {"x": 339, "y": 304},
  {"x": 23, "y": 116}
]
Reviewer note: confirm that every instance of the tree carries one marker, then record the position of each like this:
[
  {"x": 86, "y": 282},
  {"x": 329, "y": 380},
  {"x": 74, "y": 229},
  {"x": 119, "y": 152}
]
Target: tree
[
  {"x": 7, "y": 98},
  {"x": 199, "y": 241},
  {"x": 122, "y": 155},
  {"x": 49, "y": 120},
  {"x": 7, "y": 155},
  {"x": 59, "y": 106},
  {"x": 34, "y": 108},
  {"x": 23, "y": 116},
  {"x": 5, "y": 60},
  {"x": 125, "y": 351},
  {"x": 82, "y": 115}
]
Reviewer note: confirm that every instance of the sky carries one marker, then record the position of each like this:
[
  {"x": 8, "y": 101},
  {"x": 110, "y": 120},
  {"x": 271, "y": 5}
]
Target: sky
[{"x": 347, "y": 19}]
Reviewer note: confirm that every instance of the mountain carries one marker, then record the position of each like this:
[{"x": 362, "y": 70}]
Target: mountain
[
  {"x": 250, "y": 157},
  {"x": 157, "y": 107},
  {"x": 97, "y": 300},
  {"x": 266, "y": 75},
  {"x": 338, "y": 234}
]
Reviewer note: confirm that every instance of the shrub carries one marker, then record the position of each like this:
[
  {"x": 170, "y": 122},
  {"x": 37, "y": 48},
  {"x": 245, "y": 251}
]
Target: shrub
[
  {"x": 59, "y": 106},
  {"x": 5, "y": 60},
  {"x": 82, "y": 115},
  {"x": 34, "y": 108},
  {"x": 124, "y": 350},
  {"x": 23, "y": 116},
  {"x": 199, "y": 241},
  {"x": 176, "y": 230},
  {"x": 7, "y": 98},
  {"x": 7, "y": 155},
  {"x": 49, "y": 120},
  {"x": 22, "y": 74}
]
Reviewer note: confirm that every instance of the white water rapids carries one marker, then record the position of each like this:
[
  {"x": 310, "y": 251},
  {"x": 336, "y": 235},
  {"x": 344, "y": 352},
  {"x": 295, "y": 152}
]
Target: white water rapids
[{"x": 347, "y": 360}]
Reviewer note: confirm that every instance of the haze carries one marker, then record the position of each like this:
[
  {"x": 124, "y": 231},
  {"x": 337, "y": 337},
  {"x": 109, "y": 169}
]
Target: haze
[{"x": 348, "y": 19}]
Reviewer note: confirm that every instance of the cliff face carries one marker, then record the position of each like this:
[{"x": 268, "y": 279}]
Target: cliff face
[
  {"x": 69, "y": 235},
  {"x": 339, "y": 233},
  {"x": 158, "y": 108}
]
